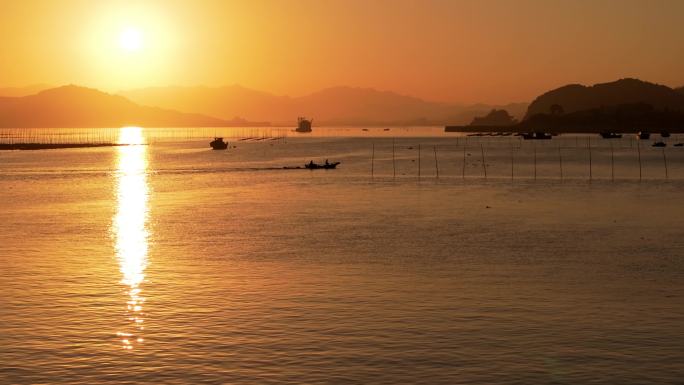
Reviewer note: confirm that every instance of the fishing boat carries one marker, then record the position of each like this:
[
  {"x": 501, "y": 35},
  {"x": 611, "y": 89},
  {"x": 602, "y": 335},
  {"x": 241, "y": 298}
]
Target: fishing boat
[
  {"x": 327, "y": 166},
  {"x": 536, "y": 135},
  {"x": 610, "y": 135},
  {"x": 304, "y": 124},
  {"x": 659, "y": 144},
  {"x": 644, "y": 135},
  {"x": 218, "y": 144}
]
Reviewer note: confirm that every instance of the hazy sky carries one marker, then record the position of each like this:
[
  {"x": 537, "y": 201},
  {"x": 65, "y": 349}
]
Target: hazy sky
[{"x": 464, "y": 51}]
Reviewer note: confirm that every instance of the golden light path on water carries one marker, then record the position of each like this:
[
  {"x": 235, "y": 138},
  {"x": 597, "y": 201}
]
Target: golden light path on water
[{"x": 130, "y": 228}]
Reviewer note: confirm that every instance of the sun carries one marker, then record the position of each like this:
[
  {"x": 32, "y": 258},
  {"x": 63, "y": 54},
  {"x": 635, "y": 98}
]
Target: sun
[{"x": 131, "y": 39}]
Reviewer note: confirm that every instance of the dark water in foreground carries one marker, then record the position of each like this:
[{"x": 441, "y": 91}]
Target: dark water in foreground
[{"x": 171, "y": 263}]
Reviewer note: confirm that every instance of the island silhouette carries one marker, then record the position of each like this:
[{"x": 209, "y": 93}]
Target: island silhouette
[
  {"x": 494, "y": 118},
  {"x": 576, "y": 97},
  {"x": 625, "y": 105}
]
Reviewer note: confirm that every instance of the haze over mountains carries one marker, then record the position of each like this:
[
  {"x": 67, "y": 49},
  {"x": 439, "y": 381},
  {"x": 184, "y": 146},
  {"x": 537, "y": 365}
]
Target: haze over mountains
[
  {"x": 331, "y": 106},
  {"x": 72, "y": 106},
  {"x": 23, "y": 91}
]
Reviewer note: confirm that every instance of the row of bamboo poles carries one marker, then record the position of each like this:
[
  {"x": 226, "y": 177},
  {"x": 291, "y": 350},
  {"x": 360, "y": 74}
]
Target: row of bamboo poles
[
  {"x": 517, "y": 145},
  {"x": 111, "y": 135},
  {"x": 463, "y": 143}
]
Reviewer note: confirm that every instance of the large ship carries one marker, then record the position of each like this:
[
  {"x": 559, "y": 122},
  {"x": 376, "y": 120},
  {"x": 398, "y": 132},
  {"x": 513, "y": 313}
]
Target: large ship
[{"x": 304, "y": 124}]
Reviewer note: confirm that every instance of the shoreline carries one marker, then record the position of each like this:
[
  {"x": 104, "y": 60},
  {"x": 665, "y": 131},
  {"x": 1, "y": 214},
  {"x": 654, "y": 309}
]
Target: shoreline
[
  {"x": 43, "y": 146},
  {"x": 559, "y": 130}
]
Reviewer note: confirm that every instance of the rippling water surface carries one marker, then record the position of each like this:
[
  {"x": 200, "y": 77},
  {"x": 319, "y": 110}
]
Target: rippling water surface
[{"x": 172, "y": 263}]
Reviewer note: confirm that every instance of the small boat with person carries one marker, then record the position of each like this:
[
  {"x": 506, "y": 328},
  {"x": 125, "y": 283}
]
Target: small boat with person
[
  {"x": 218, "y": 144},
  {"x": 326, "y": 166}
]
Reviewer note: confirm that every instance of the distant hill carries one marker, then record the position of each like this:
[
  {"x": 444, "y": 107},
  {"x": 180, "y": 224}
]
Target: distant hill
[
  {"x": 331, "y": 106},
  {"x": 23, "y": 91},
  {"x": 575, "y": 97},
  {"x": 494, "y": 118},
  {"x": 626, "y": 105},
  {"x": 73, "y": 106},
  {"x": 621, "y": 118}
]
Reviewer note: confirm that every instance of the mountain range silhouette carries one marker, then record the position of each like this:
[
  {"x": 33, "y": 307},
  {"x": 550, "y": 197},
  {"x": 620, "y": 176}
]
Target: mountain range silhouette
[
  {"x": 330, "y": 106},
  {"x": 75, "y": 106}
]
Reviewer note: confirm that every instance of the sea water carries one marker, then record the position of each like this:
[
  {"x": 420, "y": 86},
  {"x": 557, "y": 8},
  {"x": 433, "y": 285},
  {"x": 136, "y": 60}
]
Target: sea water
[{"x": 173, "y": 263}]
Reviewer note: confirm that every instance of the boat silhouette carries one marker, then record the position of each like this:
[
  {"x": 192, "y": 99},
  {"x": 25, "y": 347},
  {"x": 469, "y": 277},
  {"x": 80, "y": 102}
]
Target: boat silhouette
[
  {"x": 304, "y": 124},
  {"x": 535, "y": 135},
  {"x": 218, "y": 144},
  {"x": 610, "y": 135},
  {"x": 315, "y": 166}
]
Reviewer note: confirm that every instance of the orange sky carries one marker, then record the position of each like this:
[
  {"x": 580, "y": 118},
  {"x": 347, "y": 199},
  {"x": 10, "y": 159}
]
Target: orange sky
[{"x": 491, "y": 51}]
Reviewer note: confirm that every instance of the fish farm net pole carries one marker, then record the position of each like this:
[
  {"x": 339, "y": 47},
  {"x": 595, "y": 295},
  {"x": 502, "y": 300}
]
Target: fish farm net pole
[
  {"x": 372, "y": 160},
  {"x": 560, "y": 162},
  {"x": 534, "y": 148},
  {"x": 589, "y": 146},
  {"x": 418, "y": 160},
  {"x": 394, "y": 167},
  {"x": 484, "y": 165},
  {"x": 639, "y": 156},
  {"x": 436, "y": 163},
  {"x": 612, "y": 163},
  {"x": 665, "y": 164},
  {"x": 512, "y": 161},
  {"x": 464, "y": 158}
]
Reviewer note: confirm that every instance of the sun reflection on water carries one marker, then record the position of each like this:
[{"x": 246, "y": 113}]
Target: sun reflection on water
[{"x": 130, "y": 228}]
